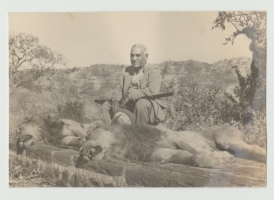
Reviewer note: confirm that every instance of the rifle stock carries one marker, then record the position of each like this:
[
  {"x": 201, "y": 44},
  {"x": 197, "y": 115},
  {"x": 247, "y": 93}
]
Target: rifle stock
[{"x": 99, "y": 101}]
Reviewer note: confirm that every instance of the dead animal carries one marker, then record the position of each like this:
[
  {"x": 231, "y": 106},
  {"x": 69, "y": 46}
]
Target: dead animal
[
  {"x": 214, "y": 148},
  {"x": 53, "y": 131}
]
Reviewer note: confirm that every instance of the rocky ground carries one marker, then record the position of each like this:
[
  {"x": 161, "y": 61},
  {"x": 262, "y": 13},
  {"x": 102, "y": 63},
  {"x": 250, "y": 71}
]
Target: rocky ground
[{"x": 23, "y": 176}]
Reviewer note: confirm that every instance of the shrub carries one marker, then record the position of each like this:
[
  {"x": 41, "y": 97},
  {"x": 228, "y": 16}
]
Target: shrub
[
  {"x": 25, "y": 103},
  {"x": 255, "y": 129},
  {"x": 72, "y": 110},
  {"x": 195, "y": 108}
]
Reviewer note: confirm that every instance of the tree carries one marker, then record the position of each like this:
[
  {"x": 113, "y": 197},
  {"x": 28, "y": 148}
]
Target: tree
[
  {"x": 25, "y": 52},
  {"x": 252, "y": 24}
]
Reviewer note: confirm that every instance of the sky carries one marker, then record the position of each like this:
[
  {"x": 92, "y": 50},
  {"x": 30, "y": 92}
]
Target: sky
[{"x": 106, "y": 38}]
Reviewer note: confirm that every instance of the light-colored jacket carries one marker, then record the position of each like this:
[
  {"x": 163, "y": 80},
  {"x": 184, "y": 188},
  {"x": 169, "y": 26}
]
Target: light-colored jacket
[{"x": 150, "y": 84}]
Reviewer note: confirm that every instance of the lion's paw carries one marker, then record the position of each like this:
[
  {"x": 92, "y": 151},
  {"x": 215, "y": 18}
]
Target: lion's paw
[{"x": 216, "y": 159}]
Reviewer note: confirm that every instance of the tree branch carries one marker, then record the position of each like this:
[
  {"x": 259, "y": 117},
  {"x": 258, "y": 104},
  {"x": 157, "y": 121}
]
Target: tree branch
[{"x": 234, "y": 25}]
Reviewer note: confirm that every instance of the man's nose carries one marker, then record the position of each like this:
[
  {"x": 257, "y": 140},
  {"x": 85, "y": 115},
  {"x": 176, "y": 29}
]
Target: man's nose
[{"x": 134, "y": 58}]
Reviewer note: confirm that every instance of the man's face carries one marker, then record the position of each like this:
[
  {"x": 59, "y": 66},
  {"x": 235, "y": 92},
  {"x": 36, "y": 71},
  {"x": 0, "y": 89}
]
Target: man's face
[{"x": 137, "y": 57}]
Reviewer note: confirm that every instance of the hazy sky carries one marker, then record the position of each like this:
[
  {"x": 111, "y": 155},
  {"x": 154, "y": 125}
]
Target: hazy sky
[{"x": 92, "y": 38}]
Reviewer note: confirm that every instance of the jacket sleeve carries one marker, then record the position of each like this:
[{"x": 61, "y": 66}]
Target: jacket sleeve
[
  {"x": 153, "y": 85},
  {"x": 118, "y": 91}
]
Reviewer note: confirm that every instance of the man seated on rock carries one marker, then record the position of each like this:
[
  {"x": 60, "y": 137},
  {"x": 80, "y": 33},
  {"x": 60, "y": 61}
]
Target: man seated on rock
[{"x": 137, "y": 82}]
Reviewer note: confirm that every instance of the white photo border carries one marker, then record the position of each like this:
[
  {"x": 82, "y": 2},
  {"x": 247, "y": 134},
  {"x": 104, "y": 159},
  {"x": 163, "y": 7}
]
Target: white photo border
[{"x": 132, "y": 193}]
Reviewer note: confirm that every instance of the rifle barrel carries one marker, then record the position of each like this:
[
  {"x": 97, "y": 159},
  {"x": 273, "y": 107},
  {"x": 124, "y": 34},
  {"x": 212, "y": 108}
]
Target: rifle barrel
[{"x": 156, "y": 96}]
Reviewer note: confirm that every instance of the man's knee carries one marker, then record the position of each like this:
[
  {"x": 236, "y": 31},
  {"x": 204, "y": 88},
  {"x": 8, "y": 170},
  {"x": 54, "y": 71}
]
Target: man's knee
[{"x": 142, "y": 104}]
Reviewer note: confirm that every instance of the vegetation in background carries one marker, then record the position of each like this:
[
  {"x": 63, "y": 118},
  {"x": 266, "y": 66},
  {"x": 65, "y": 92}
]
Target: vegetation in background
[
  {"x": 230, "y": 92},
  {"x": 252, "y": 89},
  {"x": 197, "y": 107},
  {"x": 72, "y": 110},
  {"x": 253, "y": 25},
  {"x": 25, "y": 52}
]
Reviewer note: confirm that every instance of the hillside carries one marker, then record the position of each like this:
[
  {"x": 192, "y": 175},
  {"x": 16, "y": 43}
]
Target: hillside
[
  {"x": 209, "y": 76},
  {"x": 97, "y": 81}
]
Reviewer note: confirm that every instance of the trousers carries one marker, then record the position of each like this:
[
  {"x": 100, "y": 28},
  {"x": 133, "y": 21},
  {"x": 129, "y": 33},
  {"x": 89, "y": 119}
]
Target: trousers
[{"x": 143, "y": 111}]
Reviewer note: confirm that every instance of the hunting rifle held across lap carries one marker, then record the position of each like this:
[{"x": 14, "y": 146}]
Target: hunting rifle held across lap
[{"x": 152, "y": 97}]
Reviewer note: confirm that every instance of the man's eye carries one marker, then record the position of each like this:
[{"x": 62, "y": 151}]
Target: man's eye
[{"x": 138, "y": 56}]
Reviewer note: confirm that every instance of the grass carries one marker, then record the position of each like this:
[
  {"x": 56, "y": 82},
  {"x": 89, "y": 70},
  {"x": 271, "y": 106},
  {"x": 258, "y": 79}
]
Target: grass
[{"x": 70, "y": 94}]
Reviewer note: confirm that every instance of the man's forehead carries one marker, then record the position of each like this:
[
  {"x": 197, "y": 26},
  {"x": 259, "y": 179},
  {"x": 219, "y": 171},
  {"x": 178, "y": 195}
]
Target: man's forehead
[{"x": 137, "y": 50}]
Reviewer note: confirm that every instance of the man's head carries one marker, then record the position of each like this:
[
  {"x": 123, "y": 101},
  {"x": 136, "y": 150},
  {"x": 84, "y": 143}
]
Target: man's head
[{"x": 138, "y": 55}]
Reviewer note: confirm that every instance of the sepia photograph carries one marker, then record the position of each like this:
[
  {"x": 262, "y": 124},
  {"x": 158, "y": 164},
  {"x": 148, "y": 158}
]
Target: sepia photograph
[{"x": 137, "y": 99}]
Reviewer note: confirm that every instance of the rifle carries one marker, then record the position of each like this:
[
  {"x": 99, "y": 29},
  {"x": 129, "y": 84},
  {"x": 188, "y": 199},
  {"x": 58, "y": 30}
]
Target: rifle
[
  {"x": 159, "y": 96},
  {"x": 152, "y": 97},
  {"x": 99, "y": 101}
]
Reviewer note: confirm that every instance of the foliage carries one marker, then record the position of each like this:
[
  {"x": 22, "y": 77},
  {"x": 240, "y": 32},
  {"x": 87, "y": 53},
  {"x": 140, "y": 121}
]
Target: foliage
[
  {"x": 209, "y": 76},
  {"x": 26, "y": 52},
  {"x": 197, "y": 108},
  {"x": 252, "y": 88},
  {"x": 72, "y": 110},
  {"x": 88, "y": 89},
  {"x": 69, "y": 92},
  {"x": 25, "y": 103},
  {"x": 247, "y": 86},
  {"x": 255, "y": 129},
  {"x": 100, "y": 71},
  {"x": 252, "y": 24}
]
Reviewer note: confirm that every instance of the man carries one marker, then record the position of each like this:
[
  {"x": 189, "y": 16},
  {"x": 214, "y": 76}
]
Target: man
[{"x": 137, "y": 82}]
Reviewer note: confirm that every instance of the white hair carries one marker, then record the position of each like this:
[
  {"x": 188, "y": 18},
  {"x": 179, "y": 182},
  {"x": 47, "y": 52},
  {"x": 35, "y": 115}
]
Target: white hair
[{"x": 140, "y": 45}]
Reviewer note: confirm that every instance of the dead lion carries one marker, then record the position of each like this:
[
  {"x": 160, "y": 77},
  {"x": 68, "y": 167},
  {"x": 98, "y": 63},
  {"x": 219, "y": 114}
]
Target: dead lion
[
  {"x": 53, "y": 131},
  {"x": 213, "y": 148}
]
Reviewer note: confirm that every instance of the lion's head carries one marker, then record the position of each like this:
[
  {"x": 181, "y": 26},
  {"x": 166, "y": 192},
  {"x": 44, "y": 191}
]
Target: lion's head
[
  {"x": 34, "y": 129},
  {"x": 92, "y": 151},
  {"x": 99, "y": 141}
]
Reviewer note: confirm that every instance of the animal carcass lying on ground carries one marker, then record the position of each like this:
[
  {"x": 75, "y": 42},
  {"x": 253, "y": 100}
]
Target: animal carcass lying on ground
[
  {"x": 53, "y": 131},
  {"x": 216, "y": 147}
]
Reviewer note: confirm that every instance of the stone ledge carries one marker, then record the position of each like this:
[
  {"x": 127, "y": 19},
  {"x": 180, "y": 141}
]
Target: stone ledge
[{"x": 66, "y": 168}]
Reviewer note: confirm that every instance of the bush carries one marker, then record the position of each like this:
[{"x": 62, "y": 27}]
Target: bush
[
  {"x": 25, "y": 103},
  {"x": 195, "y": 109},
  {"x": 255, "y": 130},
  {"x": 72, "y": 110}
]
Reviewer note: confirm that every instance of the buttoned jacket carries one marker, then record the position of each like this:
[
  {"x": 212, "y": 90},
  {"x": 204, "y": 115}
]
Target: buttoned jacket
[{"x": 149, "y": 84}]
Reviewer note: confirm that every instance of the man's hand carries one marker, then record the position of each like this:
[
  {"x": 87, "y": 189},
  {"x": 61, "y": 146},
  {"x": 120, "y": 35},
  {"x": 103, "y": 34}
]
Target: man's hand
[
  {"x": 115, "y": 106},
  {"x": 106, "y": 105},
  {"x": 124, "y": 101}
]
